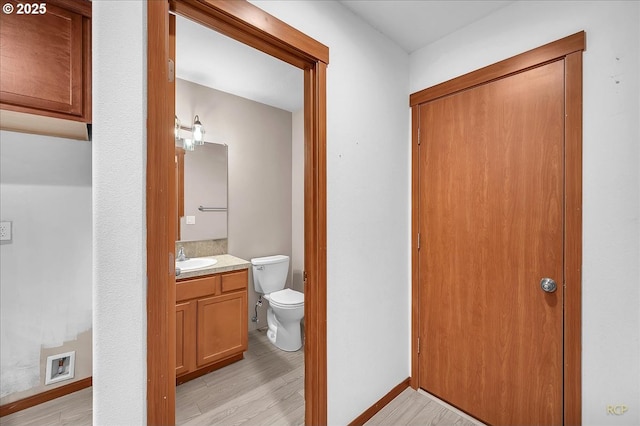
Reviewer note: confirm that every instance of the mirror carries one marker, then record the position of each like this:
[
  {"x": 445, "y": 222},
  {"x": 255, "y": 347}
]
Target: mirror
[{"x": 202, "y": 178}]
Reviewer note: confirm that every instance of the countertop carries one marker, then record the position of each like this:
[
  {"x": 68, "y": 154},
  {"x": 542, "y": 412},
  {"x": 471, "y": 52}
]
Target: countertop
[{"x": 226, "y": 262}]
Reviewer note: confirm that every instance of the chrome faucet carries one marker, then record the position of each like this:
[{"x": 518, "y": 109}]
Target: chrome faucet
[{"x": 181, "y": 256}]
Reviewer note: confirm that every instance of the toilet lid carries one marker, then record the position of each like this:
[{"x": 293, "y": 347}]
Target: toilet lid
[{"x": 287, "y": 297}]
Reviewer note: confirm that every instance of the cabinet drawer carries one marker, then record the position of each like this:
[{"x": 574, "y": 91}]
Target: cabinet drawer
[
  {"x": 235, "y": 281},
  {"x": 197, "y": 287}
]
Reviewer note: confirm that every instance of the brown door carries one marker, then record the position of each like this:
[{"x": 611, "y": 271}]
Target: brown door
[{"x": 491, "y": 224}]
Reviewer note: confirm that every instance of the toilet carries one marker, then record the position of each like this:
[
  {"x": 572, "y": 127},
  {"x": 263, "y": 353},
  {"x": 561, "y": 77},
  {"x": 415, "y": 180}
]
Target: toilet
[{"x": 286, "y": 306}]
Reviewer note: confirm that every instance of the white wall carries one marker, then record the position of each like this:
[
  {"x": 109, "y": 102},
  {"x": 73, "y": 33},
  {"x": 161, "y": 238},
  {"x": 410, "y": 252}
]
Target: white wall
[
  {"x": 119, "y": 241},
  {"x": 45, "y": 279},
  {"x": 368, "y": 201},
  {"x": 611, "y": 302}
]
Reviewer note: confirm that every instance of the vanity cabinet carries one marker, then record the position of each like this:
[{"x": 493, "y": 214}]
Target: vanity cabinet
[
  {"x": 45, "y": 62},
  {"x": 211, "y": 322}
]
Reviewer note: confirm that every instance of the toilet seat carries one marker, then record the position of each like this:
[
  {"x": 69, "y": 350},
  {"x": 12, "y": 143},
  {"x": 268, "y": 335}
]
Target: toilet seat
[{"x": 286, "y": 299}]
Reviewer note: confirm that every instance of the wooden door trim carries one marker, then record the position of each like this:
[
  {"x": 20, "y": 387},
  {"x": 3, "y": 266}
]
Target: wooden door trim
[
  {"x": 573, "y": 240},
  {"x": 414, "y": 380},
  {"x": 570, "y": 50},
  {"x": 161, "y": 222},
  {"x": 254, "y": 27},
  {"x": 532, "y": 58}
]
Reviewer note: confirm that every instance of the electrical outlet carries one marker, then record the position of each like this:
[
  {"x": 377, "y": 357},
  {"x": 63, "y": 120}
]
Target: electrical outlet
[
  {"x": 190, "y": 220},
  {"x": 5, "y": 231}
]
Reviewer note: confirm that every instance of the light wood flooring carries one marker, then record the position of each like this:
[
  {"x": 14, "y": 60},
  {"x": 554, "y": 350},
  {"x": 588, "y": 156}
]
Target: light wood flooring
[
  {"x": 265, "y": 388},
  {"x": 72, "y": 409},
  {"x": 419, "y": 408}
]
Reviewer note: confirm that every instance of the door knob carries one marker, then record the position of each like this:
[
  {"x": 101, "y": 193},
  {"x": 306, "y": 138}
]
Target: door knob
[{"x": 548, "y": 285}]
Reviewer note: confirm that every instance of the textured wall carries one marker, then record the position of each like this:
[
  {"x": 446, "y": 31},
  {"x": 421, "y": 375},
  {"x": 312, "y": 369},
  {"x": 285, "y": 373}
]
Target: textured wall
[{"x": 119, "y": 212}]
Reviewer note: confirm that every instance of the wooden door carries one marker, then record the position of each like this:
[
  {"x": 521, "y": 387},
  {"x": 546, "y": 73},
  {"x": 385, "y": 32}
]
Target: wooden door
[
  {"x": 491, "y": 223},
  {"x": 222, "y": 327}
]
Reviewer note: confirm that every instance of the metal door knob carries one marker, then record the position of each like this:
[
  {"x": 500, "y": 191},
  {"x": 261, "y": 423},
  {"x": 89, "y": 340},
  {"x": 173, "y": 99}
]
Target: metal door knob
[{"x": 548, "y": 285}]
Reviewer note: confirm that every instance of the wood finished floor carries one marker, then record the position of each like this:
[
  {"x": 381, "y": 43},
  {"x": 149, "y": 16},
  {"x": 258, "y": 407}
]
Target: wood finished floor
[
  {"x": 265, "y": 388},
  {"x": 419, "y": 408}
]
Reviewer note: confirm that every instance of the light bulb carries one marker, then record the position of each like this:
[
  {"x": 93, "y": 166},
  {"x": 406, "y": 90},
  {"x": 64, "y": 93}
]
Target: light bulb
[
  {"x": 198, "y": 131},
  {"x": 188, "y": 144}
]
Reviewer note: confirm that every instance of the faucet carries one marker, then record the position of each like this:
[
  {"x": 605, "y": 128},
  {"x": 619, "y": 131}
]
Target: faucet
[{"x": 181, "y": 256}]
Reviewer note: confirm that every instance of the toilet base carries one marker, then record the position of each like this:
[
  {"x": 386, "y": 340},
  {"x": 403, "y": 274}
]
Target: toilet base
[{"x": 285, "y": 337}]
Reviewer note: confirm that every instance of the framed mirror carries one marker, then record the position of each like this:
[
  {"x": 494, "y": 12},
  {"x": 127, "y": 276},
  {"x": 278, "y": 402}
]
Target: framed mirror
[{"x": 202, "y": 195}]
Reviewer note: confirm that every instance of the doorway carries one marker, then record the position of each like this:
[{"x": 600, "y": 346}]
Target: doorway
[
  {"x": 250, "y": 25},
  {"x": 251, "y": 165},
  {"x": 496, "y": 203}
]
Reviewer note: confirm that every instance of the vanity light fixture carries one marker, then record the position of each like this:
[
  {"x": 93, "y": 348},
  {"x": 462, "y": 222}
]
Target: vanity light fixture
[
  {"x": 188, "y": 144},
  {"x": 197, "y": 130}
]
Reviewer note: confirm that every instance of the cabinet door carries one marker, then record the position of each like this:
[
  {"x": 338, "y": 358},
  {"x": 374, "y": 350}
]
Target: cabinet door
[
  {"x": 45, "y": 61},
  {"x": 222, "y": 327},
  {"x": 185, "y": 337}
]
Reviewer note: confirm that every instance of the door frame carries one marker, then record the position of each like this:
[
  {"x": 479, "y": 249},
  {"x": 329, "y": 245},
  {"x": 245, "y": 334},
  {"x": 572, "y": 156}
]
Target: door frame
[
  {"x": 570, "y": 50},
  {"x": 254, "y": 27}
]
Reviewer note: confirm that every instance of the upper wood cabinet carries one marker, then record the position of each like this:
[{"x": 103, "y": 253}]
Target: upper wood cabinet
[{"x": 45, "y": 59}]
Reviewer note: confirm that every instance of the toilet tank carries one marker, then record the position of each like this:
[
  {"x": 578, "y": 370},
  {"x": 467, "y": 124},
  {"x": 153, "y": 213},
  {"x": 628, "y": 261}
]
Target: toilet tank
[{"x": 270, "y": 273}]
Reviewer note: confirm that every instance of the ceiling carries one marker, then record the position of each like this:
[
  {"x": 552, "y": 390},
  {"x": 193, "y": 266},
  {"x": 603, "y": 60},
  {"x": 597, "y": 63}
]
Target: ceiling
[
  {"x": 208, "y": 58},
  {"x": 413, "y": 24},
  {"x": 211, "y": 59}
]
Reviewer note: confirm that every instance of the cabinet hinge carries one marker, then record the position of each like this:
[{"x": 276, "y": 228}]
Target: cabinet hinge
[
  {"x": 304, "y": 276},
  {"x": 171, "y": 71},
  {"x": 418, "y": 241},
  {"x": 418, "y": 345},
  {"x": 418, "y": 135}
]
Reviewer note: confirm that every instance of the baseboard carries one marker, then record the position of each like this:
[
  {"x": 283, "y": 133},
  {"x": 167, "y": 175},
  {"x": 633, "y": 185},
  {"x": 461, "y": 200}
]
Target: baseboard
[
  {"x": 40, "y": 398},
  {"x": 382, "y": 402}
]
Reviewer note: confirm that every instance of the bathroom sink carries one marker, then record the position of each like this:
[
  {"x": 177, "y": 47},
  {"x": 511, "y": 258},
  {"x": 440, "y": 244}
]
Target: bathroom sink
[{"x": 195, "y": 263}]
